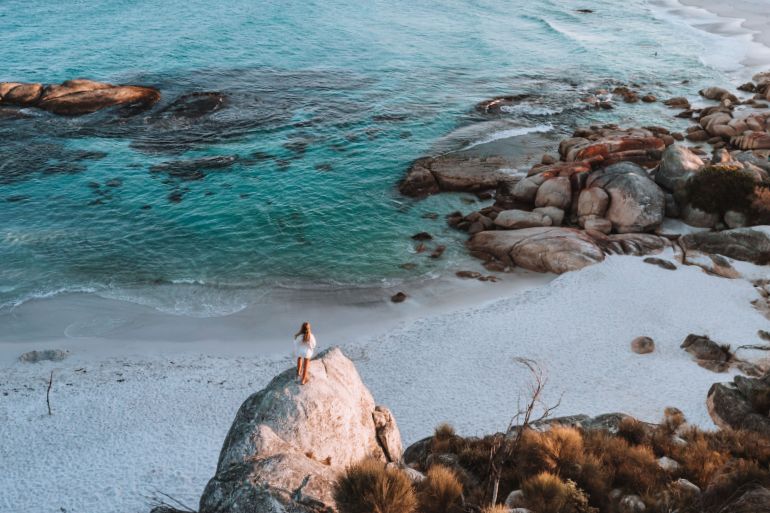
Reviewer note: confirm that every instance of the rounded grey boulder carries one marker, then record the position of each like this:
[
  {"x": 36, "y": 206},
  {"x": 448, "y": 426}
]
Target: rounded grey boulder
[{"x": 289, "y": 441}]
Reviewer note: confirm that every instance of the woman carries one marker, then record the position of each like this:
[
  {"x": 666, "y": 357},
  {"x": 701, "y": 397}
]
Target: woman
[{"x": 304, "y": 345}]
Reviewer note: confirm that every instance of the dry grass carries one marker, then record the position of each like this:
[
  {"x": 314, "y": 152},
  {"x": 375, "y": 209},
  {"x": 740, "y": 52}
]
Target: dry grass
[
  {"x": 370, "y": 487},
  {"x": 441, "y": 492},
  {"x": 569, "y": 470},
  {"x": 547, "y": 493}
]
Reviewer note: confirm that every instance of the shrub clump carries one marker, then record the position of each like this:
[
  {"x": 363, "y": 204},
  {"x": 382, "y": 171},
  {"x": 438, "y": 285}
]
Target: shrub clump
[
  {"x": 720, "y": 188},
  {"x": 547, "y": 493},
  {"x": 440, "y": 492},
  {"x": 370, "y": 487}
]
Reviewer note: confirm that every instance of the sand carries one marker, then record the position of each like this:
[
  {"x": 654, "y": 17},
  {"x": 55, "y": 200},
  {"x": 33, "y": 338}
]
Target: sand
[{"x": 126, "y": 427}]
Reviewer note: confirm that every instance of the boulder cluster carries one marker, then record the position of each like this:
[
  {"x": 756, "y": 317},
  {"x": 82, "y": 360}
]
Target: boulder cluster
[
  {"x": 77, "y": 97},
  {"x": 611, "y": 189}
]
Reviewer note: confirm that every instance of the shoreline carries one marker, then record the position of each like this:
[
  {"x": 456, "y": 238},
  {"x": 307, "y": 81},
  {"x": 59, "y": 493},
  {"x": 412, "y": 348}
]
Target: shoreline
[
  {"x": 182, "y": 403},
  {"x": 737, "y": 21}
]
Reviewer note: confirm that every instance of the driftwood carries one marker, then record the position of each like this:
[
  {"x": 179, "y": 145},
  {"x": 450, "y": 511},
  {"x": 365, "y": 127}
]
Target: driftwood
[{"x": 48, "y": 394}]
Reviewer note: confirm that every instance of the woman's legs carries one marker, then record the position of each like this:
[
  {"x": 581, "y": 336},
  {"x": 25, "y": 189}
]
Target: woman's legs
[
  {"x": 306, "y": 362},
  {"x": 299, "y": 366}
]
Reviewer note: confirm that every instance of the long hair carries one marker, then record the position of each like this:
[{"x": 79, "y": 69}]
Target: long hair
[{"x": 304, "y": 331}]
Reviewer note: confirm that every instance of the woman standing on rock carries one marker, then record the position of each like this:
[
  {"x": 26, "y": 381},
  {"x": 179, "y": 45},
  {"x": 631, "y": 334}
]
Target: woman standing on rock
[{"x": 304, "y": 345}]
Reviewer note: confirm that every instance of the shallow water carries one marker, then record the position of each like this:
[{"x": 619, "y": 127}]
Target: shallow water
[{"x": 327, "y": 104}]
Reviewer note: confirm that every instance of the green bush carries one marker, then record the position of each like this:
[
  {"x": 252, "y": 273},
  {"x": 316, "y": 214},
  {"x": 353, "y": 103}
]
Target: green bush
[
  {"x": 718, "y": 189},
  {"x": 370, "y": 487}
]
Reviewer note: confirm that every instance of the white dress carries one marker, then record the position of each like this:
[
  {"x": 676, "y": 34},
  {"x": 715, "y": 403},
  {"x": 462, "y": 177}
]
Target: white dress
[{"x": 304, "y": 349}]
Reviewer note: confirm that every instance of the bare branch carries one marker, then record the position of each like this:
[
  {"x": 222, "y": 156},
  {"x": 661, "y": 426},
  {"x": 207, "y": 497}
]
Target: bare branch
[{"x": 48, "y": 393}]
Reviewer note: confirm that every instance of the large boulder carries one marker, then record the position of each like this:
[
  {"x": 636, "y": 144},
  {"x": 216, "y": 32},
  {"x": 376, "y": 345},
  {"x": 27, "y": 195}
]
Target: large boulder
[
  {"x": 556, "y": 192},
  {"x": 288, "y": 442},
  {"x": 515, "y": 219},
  {"x": 637, "y": 204},
  {"x": 454, "y": 173},
  {"x": 749, "y": 244},
  {"x": 677, "y": 166},
  {"x": 21, "y": 95},
  {"x": 615, "y": 146},
  {"x": 592, "y": 202},
  {"x": 78, "y": 97},
  {"x": 556, "y": 250},
  {"x": 731, "y": 406},
  {"x": 86, "y": 97},
  {"x": 755, "y": 500}
]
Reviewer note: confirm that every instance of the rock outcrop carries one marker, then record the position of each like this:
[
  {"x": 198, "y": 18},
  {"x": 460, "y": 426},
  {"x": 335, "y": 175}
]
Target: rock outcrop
[
  {"x": 748, "y": 244},
  {"x": 288, "y": 442},
  {"x": 742, "y": 404},
  {"x": 453, "y": 173},
  {"x": 677, "y": 166},
  {"x": 637, "y": 204},
  {"x": 556, "y": 250},
  {"x": 78, "y": 97}
]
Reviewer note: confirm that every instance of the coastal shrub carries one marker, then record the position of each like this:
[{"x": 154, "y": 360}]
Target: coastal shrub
[
  {"x": 759, "y": 212},
  {"x": 632, "y": 430},
  {"x": 370, "y": 487},
  {"x": 440, "y": 492},
  {"x": 633, "y": 467},
  {"x": 547, "y": 493},
  {"x": 563, "y": 449},
  {"x": 735, "y": 475},
  {"x": 721, "y": 188},
  {"x": 497, "y": 508},
  {"x": 594, "y": 462},
  {"x": 442, "y": 437}
]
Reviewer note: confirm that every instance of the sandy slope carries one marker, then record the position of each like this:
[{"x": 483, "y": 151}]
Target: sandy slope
[{"x": 110, "y": 443}]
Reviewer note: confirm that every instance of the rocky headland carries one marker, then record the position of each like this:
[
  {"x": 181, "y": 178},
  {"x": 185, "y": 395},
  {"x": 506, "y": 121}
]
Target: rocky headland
[{"x": 614, "y": 190}]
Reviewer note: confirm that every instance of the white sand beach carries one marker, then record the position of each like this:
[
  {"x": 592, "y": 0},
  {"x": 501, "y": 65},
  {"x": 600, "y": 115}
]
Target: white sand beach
[
  {"x": 125, "y": 428},
  {"x": 739, "y": 42}
]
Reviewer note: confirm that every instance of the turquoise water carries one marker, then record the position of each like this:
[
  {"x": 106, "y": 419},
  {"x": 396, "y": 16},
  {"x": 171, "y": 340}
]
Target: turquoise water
[{"x": 327, "y": 104}]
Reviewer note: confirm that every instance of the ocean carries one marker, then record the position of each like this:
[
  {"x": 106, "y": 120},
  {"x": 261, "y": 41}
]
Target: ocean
[{"x": 327, "y": 103}]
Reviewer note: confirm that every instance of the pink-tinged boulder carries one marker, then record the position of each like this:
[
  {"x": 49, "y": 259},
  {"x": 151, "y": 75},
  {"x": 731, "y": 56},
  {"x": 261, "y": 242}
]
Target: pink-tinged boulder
[
  {"x": 752, "y": 141},
  {"x": 78, "y": 85},
  {"x": 83, "y": 99},
  {"x": 556, "y": 192},
  {"x": 617, "y": 148},
  {"x": 555, "y": 250},
  {"x": 21, "y": 95},
  {"x": 592, "y": 202},
  {"x": 637, "y": 204},
  {"x": 454, "y": 173},
  {"x": 517, "y": 219}
]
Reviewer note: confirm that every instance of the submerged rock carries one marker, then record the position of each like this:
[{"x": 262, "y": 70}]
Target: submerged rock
[
  {"x": 193, "y": 169},
  {"x": 195, "y": 105},
  {"x": 289, "y": 441},
  {"x": 52, "y": 355}
]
